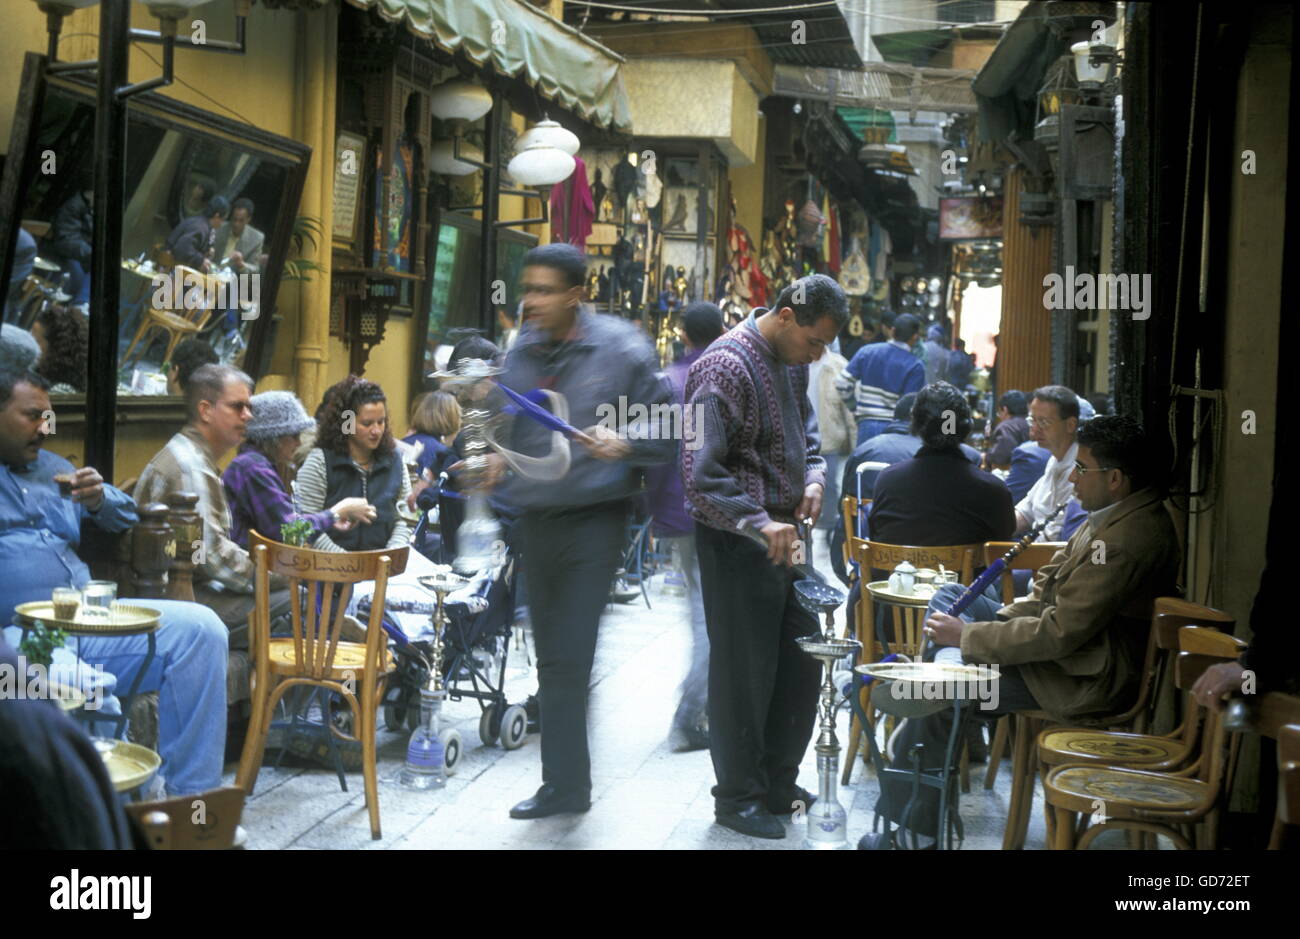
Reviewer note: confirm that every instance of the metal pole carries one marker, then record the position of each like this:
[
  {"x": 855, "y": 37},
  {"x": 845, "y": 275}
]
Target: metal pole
[
  {"x": 487, "y": 271},
  {"x": 106, "y": 263}
]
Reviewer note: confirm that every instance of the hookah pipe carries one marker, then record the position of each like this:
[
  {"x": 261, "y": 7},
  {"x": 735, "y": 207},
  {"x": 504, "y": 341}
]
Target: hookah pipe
[{"x": 994, "y": 570}]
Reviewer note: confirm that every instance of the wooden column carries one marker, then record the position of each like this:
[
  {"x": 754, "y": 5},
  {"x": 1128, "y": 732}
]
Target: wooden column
[{"x": 1025, "y": 335}]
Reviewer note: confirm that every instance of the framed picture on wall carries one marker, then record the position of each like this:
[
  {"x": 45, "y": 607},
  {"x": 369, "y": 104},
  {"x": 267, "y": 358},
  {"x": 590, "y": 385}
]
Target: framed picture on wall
[{"x": 349, "y": 173}]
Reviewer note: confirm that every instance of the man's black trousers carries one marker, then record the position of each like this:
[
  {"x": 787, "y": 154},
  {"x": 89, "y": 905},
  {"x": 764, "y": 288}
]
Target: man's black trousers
[
  {"x": 762, "y": 686},
  {"x": 571, "y": 557}
]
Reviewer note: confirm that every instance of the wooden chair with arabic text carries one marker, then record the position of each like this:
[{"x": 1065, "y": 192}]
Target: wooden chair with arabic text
[
  {"x": 205, "y": 821},
  {"x": 315, "y": 655},
  {"x": 902, "y": 630},
  {"x": 1182, "y": 805}
]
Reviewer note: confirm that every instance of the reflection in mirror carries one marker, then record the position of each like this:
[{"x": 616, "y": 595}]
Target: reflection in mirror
[
  {"x": 453, "y": 288},
  {"x": 197, "y": 228}
]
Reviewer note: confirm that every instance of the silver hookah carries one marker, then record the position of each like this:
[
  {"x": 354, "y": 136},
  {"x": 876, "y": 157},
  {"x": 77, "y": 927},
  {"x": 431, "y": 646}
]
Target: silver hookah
[
  {"x": 479, "y": 535},
  {"x": 826, "y": 818}
]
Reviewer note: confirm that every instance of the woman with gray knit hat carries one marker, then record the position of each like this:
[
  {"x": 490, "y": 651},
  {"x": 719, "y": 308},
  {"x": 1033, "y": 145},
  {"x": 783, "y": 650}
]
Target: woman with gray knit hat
[{"x": 255, "y": 487}]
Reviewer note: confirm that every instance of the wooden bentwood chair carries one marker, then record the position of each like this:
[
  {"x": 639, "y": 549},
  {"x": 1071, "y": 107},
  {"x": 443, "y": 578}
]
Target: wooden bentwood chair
[
  {"x": 314, "y": 655},
  {"x": 902, "y": 632},
  {"x": 1088, "y": 799}
]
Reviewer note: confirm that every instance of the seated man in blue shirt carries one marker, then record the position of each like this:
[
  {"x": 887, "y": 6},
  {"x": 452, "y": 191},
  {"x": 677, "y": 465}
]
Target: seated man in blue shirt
[{"x": 39, "y": 534}]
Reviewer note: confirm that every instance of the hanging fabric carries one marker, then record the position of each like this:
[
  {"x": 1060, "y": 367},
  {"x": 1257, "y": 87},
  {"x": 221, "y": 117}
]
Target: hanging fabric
[{"x": 572, "y": 208}]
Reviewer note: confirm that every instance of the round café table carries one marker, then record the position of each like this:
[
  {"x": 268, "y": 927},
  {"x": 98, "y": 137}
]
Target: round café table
[{"x": 124, "y": 619}]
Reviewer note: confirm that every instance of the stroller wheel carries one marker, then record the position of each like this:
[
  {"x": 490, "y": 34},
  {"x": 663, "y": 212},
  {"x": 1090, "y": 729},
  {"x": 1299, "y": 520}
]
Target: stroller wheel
[
  {"x": 514, "y": 727},
  {"x": 394, "y": 717},
  {"x": 489, "y": 725},
  {"x": 451, "y": 750}
]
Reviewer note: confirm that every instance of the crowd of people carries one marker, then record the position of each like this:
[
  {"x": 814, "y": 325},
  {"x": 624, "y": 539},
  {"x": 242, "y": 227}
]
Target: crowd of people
[{"x": 733, "y": 499}]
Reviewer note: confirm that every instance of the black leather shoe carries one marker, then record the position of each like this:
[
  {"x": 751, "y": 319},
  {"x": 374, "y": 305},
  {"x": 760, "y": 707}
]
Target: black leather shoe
[
  {"x": 753, "y": 820},
  {"x": 786, "y": 806},
  {"x": 550, "y": 801}
]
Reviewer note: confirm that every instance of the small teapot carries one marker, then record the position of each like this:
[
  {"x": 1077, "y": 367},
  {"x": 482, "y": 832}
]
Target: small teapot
[{"x": 903, "y": 580}]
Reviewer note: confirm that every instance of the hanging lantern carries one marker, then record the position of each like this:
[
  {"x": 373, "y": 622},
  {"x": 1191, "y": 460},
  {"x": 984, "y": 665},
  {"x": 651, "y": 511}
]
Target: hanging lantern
[
  {"x": 548, "y": 133},
  {"x": 460, "y": 101},
  {"x": 541, "y": 166},
  {"x": 442, "y": 158}
]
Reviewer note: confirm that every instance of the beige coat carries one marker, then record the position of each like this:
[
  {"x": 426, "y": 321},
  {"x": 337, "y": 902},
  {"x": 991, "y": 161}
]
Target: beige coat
[
  {"x": 1080, "y": 637},
  {"x": 838, "y": 429}
]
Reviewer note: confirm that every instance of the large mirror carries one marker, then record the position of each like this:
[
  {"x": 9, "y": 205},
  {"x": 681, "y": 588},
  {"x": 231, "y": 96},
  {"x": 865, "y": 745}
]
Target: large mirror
[
  {"x": 210, "y": 214},
  {"x": 453, "y": 300}
]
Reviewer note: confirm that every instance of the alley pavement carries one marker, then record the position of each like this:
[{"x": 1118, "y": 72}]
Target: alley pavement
[{"x": 644, "y": 796}]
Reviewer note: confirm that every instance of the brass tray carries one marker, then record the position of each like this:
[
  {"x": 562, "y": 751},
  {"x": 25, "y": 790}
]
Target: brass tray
[
  {"x": 928, "y": 671},
  {"x": 125, "y": 620},
  {"x": 67, "y": 697},
  {"x": 880, "y": 590},
  {"x": 129, "y": 765}
]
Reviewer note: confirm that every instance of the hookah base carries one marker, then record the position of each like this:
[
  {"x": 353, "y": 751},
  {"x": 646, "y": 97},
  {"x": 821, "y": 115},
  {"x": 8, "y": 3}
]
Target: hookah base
[
  {"x": 827, "y": 828},
  {"x": 420, "y": 781}
]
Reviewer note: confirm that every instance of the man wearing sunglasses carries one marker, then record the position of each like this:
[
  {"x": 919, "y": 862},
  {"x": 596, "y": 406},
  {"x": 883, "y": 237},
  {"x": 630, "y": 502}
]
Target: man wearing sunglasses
[{"x": 1074, "y": 647}]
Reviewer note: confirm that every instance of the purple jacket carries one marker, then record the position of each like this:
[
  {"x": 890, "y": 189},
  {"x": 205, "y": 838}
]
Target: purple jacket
[
  {"x": 258, "y": 499},
  {"x": 666, "y": 492}
]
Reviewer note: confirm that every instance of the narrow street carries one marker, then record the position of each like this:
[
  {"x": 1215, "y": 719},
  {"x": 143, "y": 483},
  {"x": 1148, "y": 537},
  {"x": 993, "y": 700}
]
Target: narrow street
[{"x": 643, "y": 795}]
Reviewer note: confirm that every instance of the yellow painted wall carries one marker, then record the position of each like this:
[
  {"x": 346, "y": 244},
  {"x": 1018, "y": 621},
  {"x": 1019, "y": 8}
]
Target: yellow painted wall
[
  {"x": 747, "y": 189},
  {"x": 260, "y": 87}
]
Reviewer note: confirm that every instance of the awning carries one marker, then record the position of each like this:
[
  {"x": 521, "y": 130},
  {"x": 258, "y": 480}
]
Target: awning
[{"x": 521, "y": 41}]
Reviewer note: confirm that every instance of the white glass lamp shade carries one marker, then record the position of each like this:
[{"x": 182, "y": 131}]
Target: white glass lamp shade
[
  {"x": 541, "y": 166},
  {"x": 460, "y": 101},
  {"x": 442, "y": 158},
  {"x": 549, "y": 134},
  {"x": 173, "y": 9},
  {"x": 1089, "y": 76}
]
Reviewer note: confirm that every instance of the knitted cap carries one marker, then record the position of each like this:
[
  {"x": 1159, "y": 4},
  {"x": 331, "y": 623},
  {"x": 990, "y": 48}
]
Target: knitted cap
[
  {"x": 275, "y": 414},
  {"x": 18, "y": 349}
]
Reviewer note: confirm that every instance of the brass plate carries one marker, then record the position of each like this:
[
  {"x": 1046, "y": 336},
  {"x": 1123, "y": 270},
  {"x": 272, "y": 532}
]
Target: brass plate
[
  {"x": 129, "y": 764},
  {"x": 928, "y": 671},
  {"x": 125, "y": 620},
  {"x": 880, "y": 590},
  {"x": 67, "y": 697}
]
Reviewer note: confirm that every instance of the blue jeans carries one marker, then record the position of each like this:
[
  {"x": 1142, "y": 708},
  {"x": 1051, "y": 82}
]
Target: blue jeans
[
  {"x": 79, "y": 282},
  {"x": 869, "y": 428},
  {"x": 694, "y": 704},
  {"x": 188, "y": 672}
]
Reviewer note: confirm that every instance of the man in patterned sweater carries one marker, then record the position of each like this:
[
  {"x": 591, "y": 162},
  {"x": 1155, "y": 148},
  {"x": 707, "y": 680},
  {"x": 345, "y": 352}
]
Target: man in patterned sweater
[{"x": 755, "y": 464}]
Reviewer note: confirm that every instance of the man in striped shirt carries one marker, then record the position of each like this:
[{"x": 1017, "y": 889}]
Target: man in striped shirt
[
  {"x": 881, "y": 373},
  {"x": 754, "y": 463}
]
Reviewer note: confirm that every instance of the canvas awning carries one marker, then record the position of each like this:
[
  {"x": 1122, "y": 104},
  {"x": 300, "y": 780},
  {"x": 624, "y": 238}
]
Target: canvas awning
[{"x": 521, "y": 41}]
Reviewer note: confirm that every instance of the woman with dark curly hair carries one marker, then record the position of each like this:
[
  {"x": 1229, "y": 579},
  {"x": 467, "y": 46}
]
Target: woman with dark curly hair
[
  {"x": 62, "y": 334},
  {"x": 355, "y": 456}
]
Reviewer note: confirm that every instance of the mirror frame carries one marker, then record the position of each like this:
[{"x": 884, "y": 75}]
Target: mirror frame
[{"x": 169, "y": 114}]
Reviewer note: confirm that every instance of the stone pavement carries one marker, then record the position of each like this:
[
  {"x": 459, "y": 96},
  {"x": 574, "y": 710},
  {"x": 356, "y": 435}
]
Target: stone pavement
[{"x": 644, "y": 796}]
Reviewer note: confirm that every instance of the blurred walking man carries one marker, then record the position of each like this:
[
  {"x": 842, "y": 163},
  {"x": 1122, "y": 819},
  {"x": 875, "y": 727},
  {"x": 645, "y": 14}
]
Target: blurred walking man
[{"x": 571, "y": 529}]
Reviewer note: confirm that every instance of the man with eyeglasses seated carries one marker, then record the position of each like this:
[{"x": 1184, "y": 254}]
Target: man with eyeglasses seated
[
  {"x": 1053, "y": 424},
  {"x": 218, "y": 404},
  {"x": 40, "y": 530},
  {"x": 1074, "y": 647}
]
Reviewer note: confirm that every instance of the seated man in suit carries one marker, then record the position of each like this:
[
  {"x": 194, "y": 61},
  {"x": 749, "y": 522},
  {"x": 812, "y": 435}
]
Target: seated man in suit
[
  {"x": 39, "y": 533},
  {"x": 237, "y": 242},
  {"x": 1074, "y": 647}
]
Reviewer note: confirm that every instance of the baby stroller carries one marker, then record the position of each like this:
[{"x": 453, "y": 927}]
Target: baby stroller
[{"x": 475, "y": 653}]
